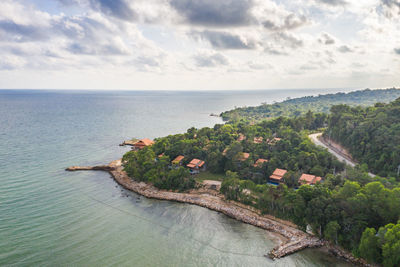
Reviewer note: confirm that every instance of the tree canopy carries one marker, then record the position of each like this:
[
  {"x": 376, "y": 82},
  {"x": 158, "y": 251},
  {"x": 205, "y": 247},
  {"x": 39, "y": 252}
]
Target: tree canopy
[
  {"x": 349, "y": 207},
  {"x": 317, "y": 104},
  {"x": 372, "y": 134}
]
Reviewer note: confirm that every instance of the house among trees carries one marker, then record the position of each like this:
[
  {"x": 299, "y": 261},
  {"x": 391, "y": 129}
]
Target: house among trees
[
  {"x": 258, "y": 140},
  {"x": 244, "y": 156},
  {"x": 274, "y": 140},
  {"x": 196, "y": 165},
  {"x": 309, "y": 179},
  {"x": 277, "y": 175},
  {"x": 142, "y": 143},
  {"x": 178, "y": 160},
  {"x": 259, "y": 163},
  {"x": 159, "y": 156},
  {"x": 241, "y": 137}
]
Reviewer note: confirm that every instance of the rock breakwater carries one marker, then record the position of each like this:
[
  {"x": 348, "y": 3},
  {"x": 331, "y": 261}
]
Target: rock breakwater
[{"x": 293, "y": 239}]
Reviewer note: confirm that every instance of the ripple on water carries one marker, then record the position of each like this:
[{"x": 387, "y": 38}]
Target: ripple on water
[{"x": 50, "y": 217}]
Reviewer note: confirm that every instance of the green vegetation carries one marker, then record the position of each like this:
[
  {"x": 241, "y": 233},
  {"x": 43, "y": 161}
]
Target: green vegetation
[
  {"x": 349, "y": 207},
  {"x": 338, "y": 209},
  {"x": 318, "y": 104},
  {"x": 219, "y": 148},
  {"x": 372, "y": 134},
  {"x": 143, "y": 166},
  {"x": 382, "y": 247},
  {"x": 207, "y": 175}
]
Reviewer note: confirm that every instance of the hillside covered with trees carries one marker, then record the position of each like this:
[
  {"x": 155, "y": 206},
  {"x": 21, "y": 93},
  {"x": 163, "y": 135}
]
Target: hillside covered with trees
[
  {"x": 372, "y": 134},
  {"x": 317, "y": 104},
  {"x": 222, "y": 150},
  {"x": 348, "y": 207}
]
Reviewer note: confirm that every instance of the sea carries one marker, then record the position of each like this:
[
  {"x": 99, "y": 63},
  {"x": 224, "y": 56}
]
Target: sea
[{"x": 50, "y": 217}]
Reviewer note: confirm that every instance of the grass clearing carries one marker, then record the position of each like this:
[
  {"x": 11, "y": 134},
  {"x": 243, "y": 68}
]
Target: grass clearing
[{"x": 209, "y": 176}]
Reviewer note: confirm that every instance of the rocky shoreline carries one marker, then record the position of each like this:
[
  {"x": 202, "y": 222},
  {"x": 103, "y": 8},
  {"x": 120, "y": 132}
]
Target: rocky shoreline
[{"x": 294, "y": 239}]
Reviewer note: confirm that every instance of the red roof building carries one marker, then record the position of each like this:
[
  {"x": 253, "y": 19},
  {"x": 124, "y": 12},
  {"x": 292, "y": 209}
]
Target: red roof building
[
  {"x": 244, "y": 156},
  {"x": 277, "y": 176},
  {"x": 196, "y": 164},
  {"x": 241, "y": 138},
  {"x": 318, "y": 179},
  {"x": 259, "y": 163},
  {"x": 143, "y": 143},
  {"x": 258, "y": 140},
  {"x": 309, "y": 179},
  {"x": 178, "y": 160},
  {"x": 274, "y": 140}
]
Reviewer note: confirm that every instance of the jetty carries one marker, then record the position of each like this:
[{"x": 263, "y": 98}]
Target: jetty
[
  {"x": 293, "y": 239},
  {"x": 291, "y": 247},
  {"x": 128, "y": 143},
  {"x": 90, "y": 168}
]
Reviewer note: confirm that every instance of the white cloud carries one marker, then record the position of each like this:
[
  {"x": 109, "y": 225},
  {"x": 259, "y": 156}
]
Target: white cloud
[{"x": 253, "y": 43}]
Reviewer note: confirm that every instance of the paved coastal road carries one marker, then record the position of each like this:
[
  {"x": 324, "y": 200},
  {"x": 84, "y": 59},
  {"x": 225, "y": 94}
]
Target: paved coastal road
[
  {"x": 336, "y": 153},
  {"x": 314, "y": 138}
]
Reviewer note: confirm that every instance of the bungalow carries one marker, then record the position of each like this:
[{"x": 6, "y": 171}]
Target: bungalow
[
  {"x": 241, "y": 137},
  {"x": 159, "y": 157},
  {"x": 178, "y": 160},
  {"x": 244, "y": 156},
  {"x": 309, "y": 179},
  {"x": 258, "y": 140},
  {"x": 196, "y": 165},
  {"x": 142, "y": 143},
  {"x": 207, "y": 147},
  {"x": 277, "y": 175},
  {"x": 259, "y": 163},
  {"x": 274, "y": 140}
]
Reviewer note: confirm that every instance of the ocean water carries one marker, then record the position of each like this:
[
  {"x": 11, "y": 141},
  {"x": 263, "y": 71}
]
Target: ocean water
[{"x": 50, "y": 217}]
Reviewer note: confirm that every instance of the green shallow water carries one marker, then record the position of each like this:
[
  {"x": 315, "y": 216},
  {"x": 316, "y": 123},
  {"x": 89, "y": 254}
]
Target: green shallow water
[{"x": 50, "y": 217}]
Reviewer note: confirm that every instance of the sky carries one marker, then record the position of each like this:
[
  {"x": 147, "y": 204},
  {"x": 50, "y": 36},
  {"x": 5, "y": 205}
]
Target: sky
[{"x": 199, "y": 44}]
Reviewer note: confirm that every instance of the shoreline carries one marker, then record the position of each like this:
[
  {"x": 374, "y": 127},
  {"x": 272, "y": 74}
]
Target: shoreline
[{"x": 291, "y": 238}]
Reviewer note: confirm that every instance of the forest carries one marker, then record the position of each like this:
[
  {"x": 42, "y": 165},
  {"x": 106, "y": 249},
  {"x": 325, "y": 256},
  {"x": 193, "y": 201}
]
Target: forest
[
  {"x": 317, "y": 104},
  {"x": 372, "y": 135},
  {"x": 349, "y": 207},
  {"x": 220, "y": 149}
]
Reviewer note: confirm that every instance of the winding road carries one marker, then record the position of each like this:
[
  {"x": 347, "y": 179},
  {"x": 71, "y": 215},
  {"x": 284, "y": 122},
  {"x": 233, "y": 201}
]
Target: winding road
[{"x": 315, "y": 139}]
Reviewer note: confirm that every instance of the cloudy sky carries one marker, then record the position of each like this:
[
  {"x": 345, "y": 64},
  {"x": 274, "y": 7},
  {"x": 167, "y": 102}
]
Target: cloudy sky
[{"x": 199, "y": 44}]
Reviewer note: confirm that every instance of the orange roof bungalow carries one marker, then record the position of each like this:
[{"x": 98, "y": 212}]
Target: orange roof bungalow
[
  {"x": 143, "y": 143},
  {"x": 277, "y": 175},
  {"x": 259, "y": 163},
  {"x": 244, "y": 156},
  {"x": 258, "y": 140},
  {"x": 241, "y": 138},
  {"x": 309, "y": 179},
  {"x": 178, "y": 160},
  {"x": 159, "y": 156},
  {"x": 274, "y": 140},
  {"x": 196, "y": 165}
]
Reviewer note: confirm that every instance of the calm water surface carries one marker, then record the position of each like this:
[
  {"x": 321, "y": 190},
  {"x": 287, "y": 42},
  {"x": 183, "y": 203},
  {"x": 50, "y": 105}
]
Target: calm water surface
[{"x": 49, "y": 217}]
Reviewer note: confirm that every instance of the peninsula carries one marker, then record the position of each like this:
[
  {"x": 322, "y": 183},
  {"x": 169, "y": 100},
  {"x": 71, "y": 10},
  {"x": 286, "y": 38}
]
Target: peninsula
[
  {"x": 274, "y": 174},
  {"x": 292, "y": 239}
]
